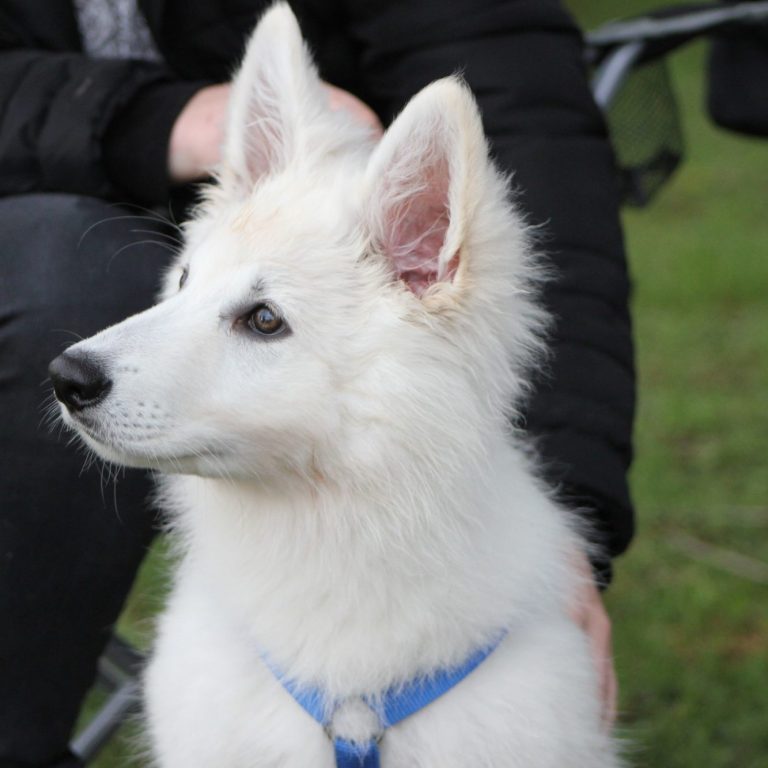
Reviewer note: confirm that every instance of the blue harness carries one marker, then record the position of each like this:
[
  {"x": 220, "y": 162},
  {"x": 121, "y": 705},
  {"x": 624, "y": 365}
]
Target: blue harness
[{"x": 392, "y": 706}]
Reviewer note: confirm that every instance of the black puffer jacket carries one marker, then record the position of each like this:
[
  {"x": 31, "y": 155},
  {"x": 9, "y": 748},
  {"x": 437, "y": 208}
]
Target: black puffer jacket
[{"x": 72, "y": 124}]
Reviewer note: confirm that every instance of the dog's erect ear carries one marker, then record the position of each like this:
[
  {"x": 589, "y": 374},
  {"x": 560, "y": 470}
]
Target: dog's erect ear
[
  {"x": 276, "y": 87},
  {"x": 417, "y": 184}
]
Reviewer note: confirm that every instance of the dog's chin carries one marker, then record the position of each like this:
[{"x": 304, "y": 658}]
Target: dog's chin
[
  {"x": 157, "y": 460},
  {"x": 168, "y": 463}
]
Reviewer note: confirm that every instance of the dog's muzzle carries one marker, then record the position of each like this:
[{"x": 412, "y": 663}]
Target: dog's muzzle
[{"x": 79, "y": 380}]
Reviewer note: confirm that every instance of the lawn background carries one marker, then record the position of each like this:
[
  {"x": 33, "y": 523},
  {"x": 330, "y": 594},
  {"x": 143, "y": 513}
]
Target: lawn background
[{"x": 690, "y": 600}]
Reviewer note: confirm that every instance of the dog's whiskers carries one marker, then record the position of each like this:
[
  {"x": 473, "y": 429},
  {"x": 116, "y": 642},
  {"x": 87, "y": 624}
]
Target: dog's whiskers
[
  {"x": 156, "y": 219},
  {"x": 166, "y": 235}
]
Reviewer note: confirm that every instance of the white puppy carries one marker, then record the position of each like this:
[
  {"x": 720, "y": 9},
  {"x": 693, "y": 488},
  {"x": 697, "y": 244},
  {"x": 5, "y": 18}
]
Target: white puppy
[{"x": 329, "y": 380}]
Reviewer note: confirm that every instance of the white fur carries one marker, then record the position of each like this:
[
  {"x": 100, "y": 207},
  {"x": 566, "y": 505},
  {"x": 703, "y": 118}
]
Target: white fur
[{"x": 350, "y": 497}]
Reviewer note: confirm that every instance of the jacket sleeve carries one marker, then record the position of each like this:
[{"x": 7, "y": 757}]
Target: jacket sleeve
[
  {"x": 523, "y": 60},
  {"x": 59, "y": 131}
]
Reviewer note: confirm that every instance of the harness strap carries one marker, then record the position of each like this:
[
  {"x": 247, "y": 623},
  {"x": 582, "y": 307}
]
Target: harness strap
[
  {"x": 400, "y": 702},
  {"x": 395, "y": 704},
  {"x": 352, "y": 755}
]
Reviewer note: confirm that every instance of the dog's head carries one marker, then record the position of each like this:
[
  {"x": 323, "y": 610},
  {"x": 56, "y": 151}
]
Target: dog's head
[{"x": 334, "y": 299}]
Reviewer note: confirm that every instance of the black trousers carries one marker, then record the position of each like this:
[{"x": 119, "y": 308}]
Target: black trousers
[{"x": 70, "y": 542}]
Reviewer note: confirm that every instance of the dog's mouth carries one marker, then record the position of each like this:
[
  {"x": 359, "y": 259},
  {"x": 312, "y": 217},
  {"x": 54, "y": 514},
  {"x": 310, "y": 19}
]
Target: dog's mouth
[{"x": 93, "y": 436}]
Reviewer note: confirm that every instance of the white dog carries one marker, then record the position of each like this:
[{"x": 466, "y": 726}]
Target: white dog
[{"x": 329, "y": 380}]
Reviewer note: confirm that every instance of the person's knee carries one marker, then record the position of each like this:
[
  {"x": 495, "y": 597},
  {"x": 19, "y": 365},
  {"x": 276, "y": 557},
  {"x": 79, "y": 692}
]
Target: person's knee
[
  {"x": 99, "y": 261},
  {"x": 70, "y": 266},
  {"x": 92, "y": 261}
]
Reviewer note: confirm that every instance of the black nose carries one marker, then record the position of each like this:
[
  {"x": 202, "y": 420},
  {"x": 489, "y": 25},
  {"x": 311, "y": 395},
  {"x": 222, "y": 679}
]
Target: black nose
[{"x": 78, "y": 380}]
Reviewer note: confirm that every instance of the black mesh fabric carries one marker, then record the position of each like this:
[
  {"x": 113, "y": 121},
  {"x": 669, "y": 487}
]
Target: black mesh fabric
[{"x": 645, "y": 131}]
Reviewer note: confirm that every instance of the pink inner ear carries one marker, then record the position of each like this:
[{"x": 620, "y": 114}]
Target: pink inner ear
[{"x": 416, "y": 220}]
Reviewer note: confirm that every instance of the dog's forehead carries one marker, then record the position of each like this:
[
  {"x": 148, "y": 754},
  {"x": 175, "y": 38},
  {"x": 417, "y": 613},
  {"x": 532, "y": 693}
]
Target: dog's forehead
[{"x": 281, "y": 224}]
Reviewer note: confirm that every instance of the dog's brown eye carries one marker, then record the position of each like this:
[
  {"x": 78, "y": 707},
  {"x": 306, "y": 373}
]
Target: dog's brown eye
[
  {"x": 183, "y": 277},
  {"x": 265, "y": 320}
]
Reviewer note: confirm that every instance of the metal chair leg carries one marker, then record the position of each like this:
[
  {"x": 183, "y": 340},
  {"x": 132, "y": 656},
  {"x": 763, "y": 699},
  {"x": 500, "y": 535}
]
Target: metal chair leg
[{"x": 119, "y": 670}]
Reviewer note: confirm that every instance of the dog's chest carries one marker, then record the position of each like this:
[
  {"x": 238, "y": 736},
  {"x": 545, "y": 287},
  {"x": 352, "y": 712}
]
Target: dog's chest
[{"x": 212, "y": 701}]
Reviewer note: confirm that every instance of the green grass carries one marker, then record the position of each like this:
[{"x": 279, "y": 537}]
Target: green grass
[{"x": 691, "y": 623}]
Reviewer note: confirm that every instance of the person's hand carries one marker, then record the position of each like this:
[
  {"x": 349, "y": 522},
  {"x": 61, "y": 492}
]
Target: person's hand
[
  {"x": 588, "y": 611},
  {"x": 198, "y": 133},
  {"x": 197, "y": 136},
  {"x": 359, "y": 110}
]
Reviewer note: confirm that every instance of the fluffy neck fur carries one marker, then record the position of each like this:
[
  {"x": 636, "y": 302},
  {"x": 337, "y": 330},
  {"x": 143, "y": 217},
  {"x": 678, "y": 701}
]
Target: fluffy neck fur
[{"x": 356, "y": 589}]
